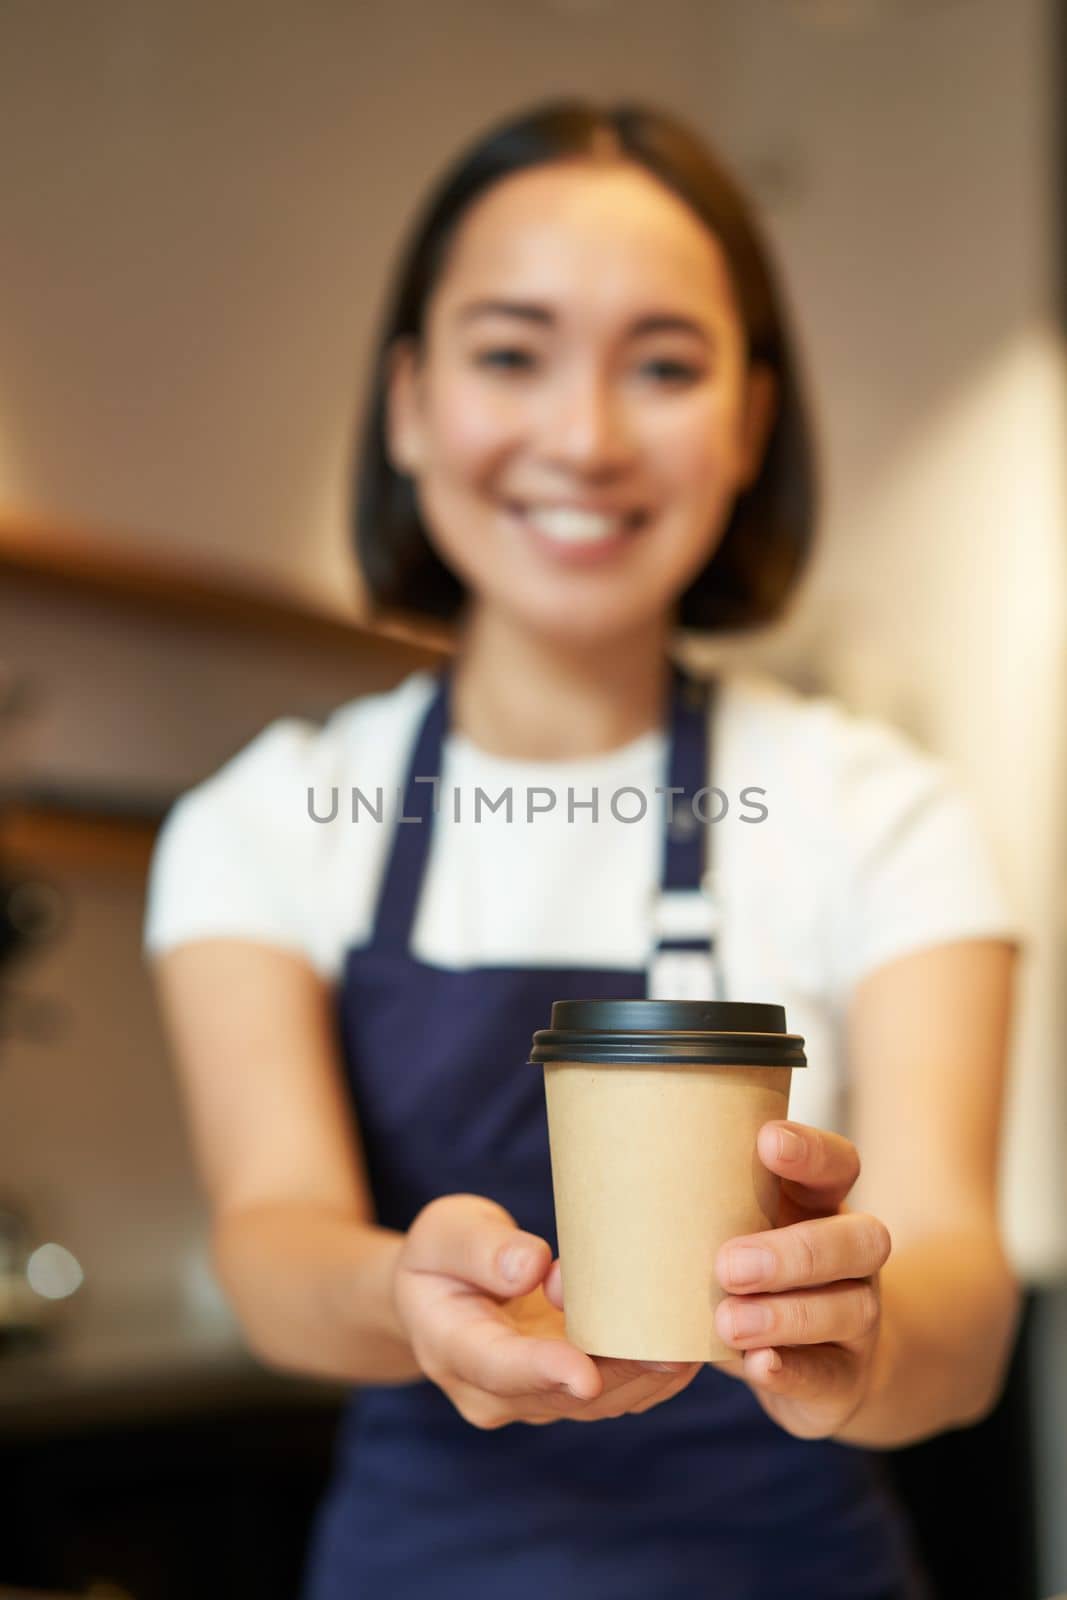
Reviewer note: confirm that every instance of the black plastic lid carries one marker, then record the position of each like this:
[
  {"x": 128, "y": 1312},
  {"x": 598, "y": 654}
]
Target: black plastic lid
[{"x": 736, "y": 1033}]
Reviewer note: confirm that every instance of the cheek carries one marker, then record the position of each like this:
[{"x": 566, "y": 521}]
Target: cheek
[
  {"x": 693, "y": 450},
  {"x": 469, "y": 432},
  {"x": 469, "y": 440}
]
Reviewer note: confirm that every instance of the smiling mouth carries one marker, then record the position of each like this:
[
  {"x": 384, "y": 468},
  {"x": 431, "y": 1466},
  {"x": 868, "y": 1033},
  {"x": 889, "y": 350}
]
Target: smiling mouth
[{"x": 574, "y": 527}]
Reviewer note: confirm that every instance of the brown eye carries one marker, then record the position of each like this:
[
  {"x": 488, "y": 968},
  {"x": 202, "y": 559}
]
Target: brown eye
[
  {"x": 505, "y": 358},
  {"x": 674, "y": 371}
]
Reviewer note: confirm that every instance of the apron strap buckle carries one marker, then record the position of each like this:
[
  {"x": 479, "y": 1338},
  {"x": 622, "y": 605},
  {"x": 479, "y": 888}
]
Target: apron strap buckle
[{"x": 684, "y": 915}]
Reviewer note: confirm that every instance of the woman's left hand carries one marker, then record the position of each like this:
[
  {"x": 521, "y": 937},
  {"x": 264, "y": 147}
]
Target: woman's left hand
[{"x": 818, "y": 1299}]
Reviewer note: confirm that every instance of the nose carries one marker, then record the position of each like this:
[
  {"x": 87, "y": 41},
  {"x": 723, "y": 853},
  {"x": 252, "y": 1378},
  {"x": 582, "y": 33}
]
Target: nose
[{"x": 585, "y": 430}]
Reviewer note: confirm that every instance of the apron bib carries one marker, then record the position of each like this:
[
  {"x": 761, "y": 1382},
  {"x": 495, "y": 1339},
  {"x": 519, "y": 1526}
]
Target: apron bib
[{"x": 703, "y": 1496}]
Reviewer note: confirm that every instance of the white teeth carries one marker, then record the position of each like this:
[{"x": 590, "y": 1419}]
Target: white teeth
[{"x": 568, "y": 525}]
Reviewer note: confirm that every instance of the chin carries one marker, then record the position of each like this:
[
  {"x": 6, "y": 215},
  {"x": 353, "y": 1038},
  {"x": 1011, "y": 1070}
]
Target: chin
[{"x": 577, "y": 625}]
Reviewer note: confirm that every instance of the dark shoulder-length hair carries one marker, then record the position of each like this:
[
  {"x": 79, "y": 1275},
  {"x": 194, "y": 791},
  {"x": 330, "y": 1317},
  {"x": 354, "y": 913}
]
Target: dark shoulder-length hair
[{"x": 765, "y": 546}]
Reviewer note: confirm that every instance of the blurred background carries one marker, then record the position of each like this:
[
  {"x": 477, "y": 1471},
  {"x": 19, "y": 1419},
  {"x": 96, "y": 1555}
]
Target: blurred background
[{"x": 201, "y": 203}]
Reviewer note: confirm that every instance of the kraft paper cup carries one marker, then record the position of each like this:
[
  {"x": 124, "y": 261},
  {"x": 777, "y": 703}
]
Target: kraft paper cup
[{"x": 653, "y": 1110}]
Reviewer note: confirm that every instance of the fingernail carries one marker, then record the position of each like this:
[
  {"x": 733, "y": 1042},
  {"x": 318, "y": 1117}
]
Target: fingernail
[
  {"x": 661, "y": 1366},
  {"x": 749, "y": 1319},
  {"x": 790, "y": 1145},
  {"x": 748, "y": 1264},
  {"x": 514, "y": 1263}
]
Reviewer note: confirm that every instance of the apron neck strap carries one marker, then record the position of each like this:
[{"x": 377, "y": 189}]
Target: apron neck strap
[
  {"x": 685, "y": 838},
  {"x": 684, "y": 864}
]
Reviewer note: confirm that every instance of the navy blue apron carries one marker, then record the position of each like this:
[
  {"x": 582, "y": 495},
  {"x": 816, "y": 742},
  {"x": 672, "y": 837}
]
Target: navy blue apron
[{"x": 702, "y": 1496}]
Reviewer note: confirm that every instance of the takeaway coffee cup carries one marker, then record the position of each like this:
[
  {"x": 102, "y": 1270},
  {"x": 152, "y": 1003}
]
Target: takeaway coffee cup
[{"x": 653, "y": 1110}]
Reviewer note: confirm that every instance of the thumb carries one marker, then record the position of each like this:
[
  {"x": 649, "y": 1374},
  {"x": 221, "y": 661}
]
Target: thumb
[{"x": 471, "y": 1237}]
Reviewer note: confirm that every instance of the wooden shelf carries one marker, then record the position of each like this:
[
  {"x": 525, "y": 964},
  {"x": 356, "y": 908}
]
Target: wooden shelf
[
  {"x": 72, "y": 826},
  {"x": 55, "y": 837},
  {"x": 85, "y": 562}
]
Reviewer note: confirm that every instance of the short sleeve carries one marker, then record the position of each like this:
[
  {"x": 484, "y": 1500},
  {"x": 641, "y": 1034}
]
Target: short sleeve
[
  {"x": 915, "y": 865},
  {"x": 230, "y": 857}
]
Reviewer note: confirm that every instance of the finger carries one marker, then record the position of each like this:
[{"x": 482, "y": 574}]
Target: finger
[
  {"x": 817, "y": 1167},
  {"x": 637, "y": 1392},
  {"x": 616, "y": 1371},
  {"x": 535, "y": 1408},
  {"x": 671, "y": 1386},
  {"x": 553, "y": 1285},
  {"x": 477, "y": 1345},
  {"x": 852, "y": 1244},
  {"x": 823, "y": 1378},
  {"x": 470, "y": 1237},
  {"x": 555, "y": 1405},
  {"x": 627, "y": 1387},
  {"x": 839, "y": 1313}
]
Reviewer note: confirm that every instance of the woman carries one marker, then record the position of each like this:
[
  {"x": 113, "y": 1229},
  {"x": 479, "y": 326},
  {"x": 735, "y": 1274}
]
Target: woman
[{"x": 586, "y": 431}]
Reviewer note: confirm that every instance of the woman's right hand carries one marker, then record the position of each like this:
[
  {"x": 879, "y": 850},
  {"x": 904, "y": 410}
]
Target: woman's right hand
[{"x": 494, "y": 1343}]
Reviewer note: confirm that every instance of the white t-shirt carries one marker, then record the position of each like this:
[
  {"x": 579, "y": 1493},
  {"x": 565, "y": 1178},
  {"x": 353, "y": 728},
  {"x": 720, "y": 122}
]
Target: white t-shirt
[{"x": 867, "y": 850}]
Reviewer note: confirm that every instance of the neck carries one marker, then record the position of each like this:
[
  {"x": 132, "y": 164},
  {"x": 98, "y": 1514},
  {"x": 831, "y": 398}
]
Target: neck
[{"x": 516, "y": 694}]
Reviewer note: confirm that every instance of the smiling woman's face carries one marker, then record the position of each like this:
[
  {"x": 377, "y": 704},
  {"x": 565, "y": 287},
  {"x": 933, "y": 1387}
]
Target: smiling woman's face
[{"x": 583, "y": 415}]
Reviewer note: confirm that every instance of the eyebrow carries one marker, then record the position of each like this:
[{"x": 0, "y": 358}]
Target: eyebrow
[{"x": 543, "y": 316}]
